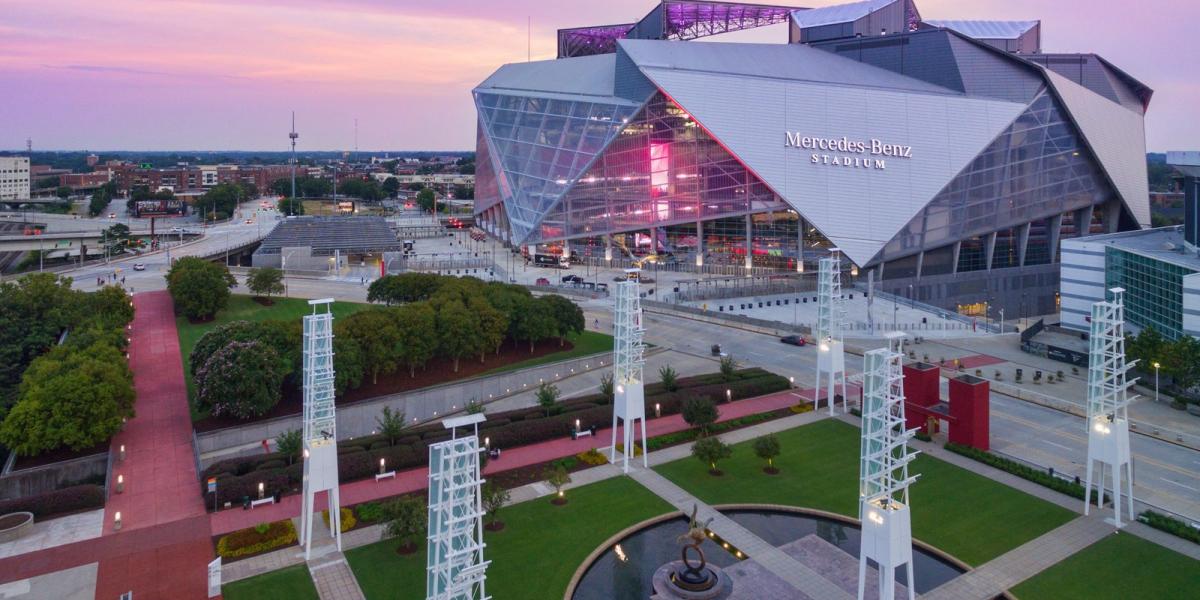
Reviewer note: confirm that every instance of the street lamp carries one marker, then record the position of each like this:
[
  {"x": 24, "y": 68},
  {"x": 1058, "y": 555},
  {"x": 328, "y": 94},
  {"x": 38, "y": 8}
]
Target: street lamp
[{"x": 1156, "y": 366}]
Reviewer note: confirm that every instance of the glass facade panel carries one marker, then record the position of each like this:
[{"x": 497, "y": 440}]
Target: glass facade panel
[
  {"x": 1037, "y": 249},
  {"x": 972, "y": 254},
  {"x": 1155, "y": 290},
  {"x": 1037, "y": 168},
  {"x": 662, "y": 169},
  {"x": 541, "y": 145},
  {"x": 939, "y": 261}
]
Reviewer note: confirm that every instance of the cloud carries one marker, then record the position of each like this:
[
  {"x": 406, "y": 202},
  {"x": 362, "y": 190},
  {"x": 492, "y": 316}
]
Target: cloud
[{"x": 106, "y": 69}]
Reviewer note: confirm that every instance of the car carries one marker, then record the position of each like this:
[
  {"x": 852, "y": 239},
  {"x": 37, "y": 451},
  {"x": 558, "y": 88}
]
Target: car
[
  {"x": 176, "y": 230},
  {"x": 112, "y": 215},
  {"x": 543, "y": 281},
  {"x": 139, "y": 267},
  {"x": 795, "y": 340},
  {"x": 249, "y": 221},
  {"x": 572, "y": 279}
]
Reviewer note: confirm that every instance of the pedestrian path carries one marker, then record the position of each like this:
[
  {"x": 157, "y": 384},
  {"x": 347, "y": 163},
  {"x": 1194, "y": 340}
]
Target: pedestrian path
[
  {"x": 522, "y": 456},
  {"x": 797, "y": 574},
  {"x": 333, "y": 578},
  {"x": 1023, "y": 562}
]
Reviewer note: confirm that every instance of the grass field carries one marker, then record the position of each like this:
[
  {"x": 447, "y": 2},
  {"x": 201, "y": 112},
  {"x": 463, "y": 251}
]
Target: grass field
[
  {"x": 244, "y": 308},
  {"x": 292, "y": 583},
  {"x": 969, "y": 516},
  {"x": 588, "y": 342},
  {"x": 1119, "y": 566},
  {"x": 535, "y": 555}
]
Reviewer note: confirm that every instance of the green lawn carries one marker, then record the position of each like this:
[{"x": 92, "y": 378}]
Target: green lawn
[
  {"x": 292, "y": 583},
  {"x": 536, "y": 554},
  {"x": 588, "y": 342},
  {"x": 243, "y": 308},
  {"x": 1119, "y": 566},
  {"x": 972, "y": 517}
]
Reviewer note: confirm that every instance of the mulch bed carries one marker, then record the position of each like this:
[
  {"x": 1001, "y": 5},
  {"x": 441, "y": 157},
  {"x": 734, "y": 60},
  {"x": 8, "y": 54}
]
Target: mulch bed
[
  {"x": 263, "y": 301},
  {"x": 437, "y": 371},
  {"x": 57, "y": 455}
]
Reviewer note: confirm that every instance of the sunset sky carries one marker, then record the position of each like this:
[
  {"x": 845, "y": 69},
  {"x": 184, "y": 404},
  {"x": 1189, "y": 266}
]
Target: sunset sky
[{"x": 225, "y": 74}]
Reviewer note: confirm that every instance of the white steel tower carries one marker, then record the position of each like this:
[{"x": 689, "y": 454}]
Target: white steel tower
[
  {"x": 455, "y": 568},
  {"x": 831, "y": 315},
  {"x": 292, "y": 135},
  {"x": 883, "y": 471},
  {"x": 629, "y": 404},
  {"x": 320, "y": 424},
  {"x": 1108, "y": 402}
]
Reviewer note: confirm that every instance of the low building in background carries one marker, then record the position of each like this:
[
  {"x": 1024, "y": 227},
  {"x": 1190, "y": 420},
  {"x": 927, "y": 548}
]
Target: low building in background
[{"x": 14, "y": 178}]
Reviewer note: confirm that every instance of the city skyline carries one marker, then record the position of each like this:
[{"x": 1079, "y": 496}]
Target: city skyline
[{"x": 224, "y": 75}]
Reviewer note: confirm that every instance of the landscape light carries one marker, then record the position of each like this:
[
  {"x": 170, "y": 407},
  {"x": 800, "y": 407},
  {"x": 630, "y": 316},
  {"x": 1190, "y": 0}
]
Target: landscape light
[
  {"x": 261, "y": 490},
  {"x": 657, "y": 410},
  {"x": 117, "y": 521},
  {"x": 120, "y": 483},
  {"x": 122, "y": 454},
  {"x": 381, "y": 463}
]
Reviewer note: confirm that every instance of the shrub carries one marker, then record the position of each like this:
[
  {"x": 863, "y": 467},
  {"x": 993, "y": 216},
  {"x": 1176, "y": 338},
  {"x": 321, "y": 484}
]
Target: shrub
[
  {"x": 728, "y": 368},
  {"x": 606, "y": 387},
  {"x": 592, "y": 457},
  {"x": 198, "y": 287},
  {"x": 406, "y": 520},
  {"x": 348, "y": 520},
  {"x": 267, "y": 465},
  {"x": 547, "y": 396},
  {"x": 369, "y": 512},
  {"x": 494, "y": 498},
  {"x": 710, "y": 451},
  {"x": 1037, "y": 476},
  {"x": 1171, "y": 525},
  {"x": 391, "y": 424},
  {"x": 356, "y": 465},
  {"x": 767, "y": 448},
  {"x": 700, "y": 413},
  {"x": 67, "y": 500},
  {"x": 669, "y": 378},
  {"x": 256, "y": 540},
  {"x": 558, "y": 477},
  {"x": 290, "y": 444}
]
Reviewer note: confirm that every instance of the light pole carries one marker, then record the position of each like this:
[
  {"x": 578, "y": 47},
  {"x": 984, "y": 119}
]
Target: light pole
[
  {"x": 1001, "y": 321},
  {"x": 1156, "y": 366}
]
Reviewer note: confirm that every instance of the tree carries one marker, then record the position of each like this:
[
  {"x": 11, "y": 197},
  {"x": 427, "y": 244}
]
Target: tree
[
  {"x": 493, "y": 325},
  {"x": 700, "y": 413},
  {"x": 567, "y": 316},
  {"x": 1147, "y": 347},
  {"x": 391, "y": 187},
  {"x": 1182, "y": 362},
  {"x": 426, "y": 199},
  {"x": 547, "y": 396},
  {"x": 34, "y": 311},
  {"x": 348, "y": 365},
  {"x": 494, "y": 498},
  {"x": 767, "y": 448},
  {"x": 391, "y": 424},
  {"x": 99, "y": 202},
  {"x": 458, "y": 332},
  {"x": 417, "y": 324},
  {"x": 606, "y": 387},
  {"x": 290, "y": 207},
  {"x": 117, "y": 238},
  {"x": 728, "y": 368},
  {"x": 241, "y": 380},
  {"x": 378, "y": 338},
  {"x": 669, "y": 378},
  {"x": 290, "y": 443},
  {"x": 198, "y": 287},
  {"x": 265, "y": 281},
  {"x": 558, "y": 477},
  {"x": 63, "y": 192},
  {"x": 221, "y": 200},
  {"x": 70, "y": 398},
  {"x": 109, "y": 307},
  {"x": 710, "y": 451},
  {"x": 534, "y": 326},
  {"x": 407, "y": 520},
  {"x": 217, "y": 338}
]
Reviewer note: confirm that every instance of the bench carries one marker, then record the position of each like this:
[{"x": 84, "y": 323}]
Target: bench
[
  {"x": 267, "y": 500},
  {"x": 388, "y": 475}
]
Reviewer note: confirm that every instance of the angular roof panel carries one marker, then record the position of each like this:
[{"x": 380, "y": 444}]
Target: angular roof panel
[
  {"x": 584, "y": 75},
  {"x": 1116, "y": 135},
  {"x": 840, "y": 13},
  {"x": 990, "y": 30}
]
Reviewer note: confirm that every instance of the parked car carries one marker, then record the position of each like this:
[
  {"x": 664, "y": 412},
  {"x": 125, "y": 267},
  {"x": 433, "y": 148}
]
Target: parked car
[
  {"x": 139, "y": 267},
  {"x": 543, "y": 281},
  {"x": 716, "y": 350},
  {"x": 795, "y": 340},
  {"x": 572, "y": 279}
]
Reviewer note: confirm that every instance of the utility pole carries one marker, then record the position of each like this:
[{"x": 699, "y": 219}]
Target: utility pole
[{"x": 292, "y": 136}]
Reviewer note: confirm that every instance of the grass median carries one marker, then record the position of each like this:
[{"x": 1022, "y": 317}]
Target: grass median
[{"x": 292, "y": 583}]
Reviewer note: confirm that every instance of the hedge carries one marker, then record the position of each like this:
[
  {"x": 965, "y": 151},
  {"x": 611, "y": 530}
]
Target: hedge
[
  {"x": 67, "y": 500},
  {"x": 245, "y": 542},
  {"x": 359, "y": 458},
  {"x": 1037, "y": 476},
  {"x": 1170, "y": 525}
]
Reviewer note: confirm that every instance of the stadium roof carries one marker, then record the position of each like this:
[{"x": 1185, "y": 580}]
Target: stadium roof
[
  {"x": 991, "y": 30},
  {"x": 841, "y": 13},
  {"x": 326, "y": 234}
]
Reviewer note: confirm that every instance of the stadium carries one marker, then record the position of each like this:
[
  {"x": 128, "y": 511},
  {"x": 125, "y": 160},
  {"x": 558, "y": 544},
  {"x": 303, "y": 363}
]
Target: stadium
[{"x": 948, "y": 158}]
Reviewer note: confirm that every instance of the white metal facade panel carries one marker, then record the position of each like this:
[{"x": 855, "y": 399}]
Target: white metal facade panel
[
  {"x": 1118, "y": 137},
  {"x": 1082, "y": 281},
  {"x": 858, "y": 209},
  {"x": 1191, "y": 304}
]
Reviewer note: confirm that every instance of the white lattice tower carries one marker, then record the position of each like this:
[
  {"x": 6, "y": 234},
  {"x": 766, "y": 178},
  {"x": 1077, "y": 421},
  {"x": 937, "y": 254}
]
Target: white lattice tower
[
  {"x": 1108, "y": 403},
  {"x": 455, "y": 567},
  {"x": 883, "y": 471},
  {"x": 320, "y": 424},
  {"x": 831, "y": 314},
  {"x": 629, "y": 403}
]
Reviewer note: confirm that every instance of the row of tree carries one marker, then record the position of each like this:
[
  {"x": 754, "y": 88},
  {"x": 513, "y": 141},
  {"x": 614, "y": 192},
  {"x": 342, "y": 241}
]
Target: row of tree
[
  {"x": 220, "y": 201},
  {"x": 198, "y": 287},
  {"x": 64, "y": 380},
  {"x": 101, "y": 197},
  {"x": 1179, "y": 360}
]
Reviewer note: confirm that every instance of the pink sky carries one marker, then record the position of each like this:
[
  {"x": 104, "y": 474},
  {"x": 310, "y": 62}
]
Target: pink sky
[{"x": 225, "y": 74}]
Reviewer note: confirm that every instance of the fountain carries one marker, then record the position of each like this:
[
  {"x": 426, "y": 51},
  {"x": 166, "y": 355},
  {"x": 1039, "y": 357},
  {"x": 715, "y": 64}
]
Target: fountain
[{"x": 684, "y": 580}]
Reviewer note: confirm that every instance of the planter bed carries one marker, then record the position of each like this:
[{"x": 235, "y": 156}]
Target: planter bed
[{"x": 15, "y": 525}]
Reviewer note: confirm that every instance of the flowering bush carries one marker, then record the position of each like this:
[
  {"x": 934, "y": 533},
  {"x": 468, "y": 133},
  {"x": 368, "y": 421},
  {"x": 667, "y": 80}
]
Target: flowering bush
[{"x": 241, "y": 380}]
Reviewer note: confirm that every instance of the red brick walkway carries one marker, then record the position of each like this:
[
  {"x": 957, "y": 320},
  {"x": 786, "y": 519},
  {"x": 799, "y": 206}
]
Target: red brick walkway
[
  {"x": 163, "y": 547},
  {"x": 416, "y": 479}
]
